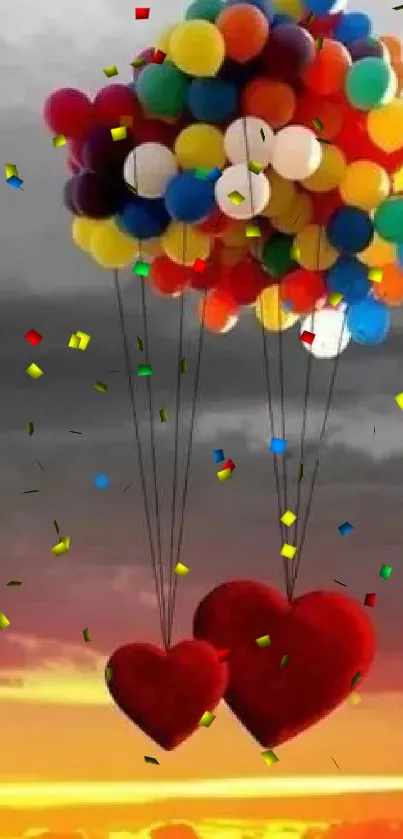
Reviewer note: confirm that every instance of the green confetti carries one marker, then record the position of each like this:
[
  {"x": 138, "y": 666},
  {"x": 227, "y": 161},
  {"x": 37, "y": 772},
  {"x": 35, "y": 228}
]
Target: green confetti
[
  {"x": 385, "y": 572},
  {"x": 139, "y": 344},
  {"x": 142, "y": 269},
  {"x": 154, "y": 760},
  {"x": 144, "y": 370},
  {"x": 285, "y": 659},
  {"x": 355, "y": 679},
  {"x": 263, "y": 641},
  {"x": 183, "y": 365},
  {"x": 101, "y": 387},
  {"x": 86, "y": 635},
  {"x": 30, "y": 429},
  {"x": 108, "y": 674},
  {"x": 14, "y": 583},
  {"x": 164, "y": 415},
  {"x": 207, "y": 719},
  {"x": 269, "y": 757}
]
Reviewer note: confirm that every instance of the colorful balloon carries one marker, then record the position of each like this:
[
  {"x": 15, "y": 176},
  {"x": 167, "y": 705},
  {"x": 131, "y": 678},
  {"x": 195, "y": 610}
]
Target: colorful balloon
[
  {"x": 313, "y": 250},
  {"x": 367, "y": 48},
  {"x": 388, "y": 219},
  {"x": 368, "y": 321},
  {"x": 200, "y": 146},
  {"x": 327, "y": 73},
  {"x": 390, "y": 289},
  {"x": 332, "y": 335},
  {"x": 289, "y": 51},
  {"x": 184, "y": 244},
  {"x": 330, "y": 171},
  {"x": 244, "y": 29},
  {"x": 244, "y": 282},
  {"x": 197, "y": 48},
  {"x": 242, "y": 194},
  {"x": 270, "y": 313},
  {"x": 370, "y": 83},
  {"x": 167, "y": 277},
  {"x": 212, "y": 100},
  {"x": 149, "y": 169},
  {"x": 101, "y": 154},
  {"x": 204, "y": 10},
  {"x": 350, "y": 230},
  {"x": 115, "y": 105},
  {"x": 353, "y": 25},
  {"x": 302, "y": 289},
  {"x": 82, "y": 229},
  {"x": 244, "y": 143},
  {"x": 282, "y": 195},
  {"x": 297, "y": 154},
  {"x": 277, "y": 255},
  {"x": 349, "y": 277},
  {"x": 69, "y": 112},
  {"x": 385, "y": 126},
  {"x": 269, "y": 99},
  {"x": 144, "y": 218},
  {"x": 98, "y": 197},
  {"x": 112, "y": 249},
  {"x": 188, "y": 198},
  {"x": 218, "y": 312},
  {"x": 162, "y": 89},
  {"x": 364, "y": 185}
]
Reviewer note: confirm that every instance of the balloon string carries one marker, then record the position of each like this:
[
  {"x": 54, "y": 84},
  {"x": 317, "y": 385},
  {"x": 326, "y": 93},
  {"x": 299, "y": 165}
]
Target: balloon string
[
  {"x": 269, "y": 389},
  {"x": 319, "y": 452},
  {"x": 131, "y": 392}
]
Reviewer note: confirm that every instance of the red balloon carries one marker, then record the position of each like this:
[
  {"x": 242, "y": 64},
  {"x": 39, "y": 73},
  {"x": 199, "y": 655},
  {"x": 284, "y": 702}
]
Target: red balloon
[
  {"x": 311, "y": 107},
  {"x": 168, "y": 277},
  {"x": 324, "y": 205},
  {"x": 321, "y": 27},
  {"x": 327, "y": 636},
  {"x": 217, "y": 310},
  {"x": 211, "y": 277},
  {"x": 244, "y": 282},
  {"x": 166, "y": 692},
  {"x": 68, "y": 111},
  {"x": 216, "y": 224},
  {"x": 116, "y": 105},
  {"x": 302, "y": 289}
]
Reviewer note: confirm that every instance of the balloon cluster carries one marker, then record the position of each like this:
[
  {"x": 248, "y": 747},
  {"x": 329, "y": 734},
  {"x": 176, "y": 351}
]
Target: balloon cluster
[{"x": 259, "y": 163}]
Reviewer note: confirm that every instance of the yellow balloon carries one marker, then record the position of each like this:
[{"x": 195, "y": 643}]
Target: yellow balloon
[
  {"x": 184, "y": 244},
  {"x": 313, "y": 249},
  {"x": 378, "y": 253},
  {"x": 281, "y": 196},
  {"x": 385, "y": 126},
  {"x": 269, "y": 312},
  {"x": 294, "y": 8},
  {"x": 330, "y": 172},
  {"x": 163, "y": 41},
  {"x": 365, "y": 184},
  {"x": 112, "y": 249},
  {"x": 298, "y": 215},
  {"x": 200, "y": 145},
  {"x": 197, "y": 48},
  {"x": 82, "y": 229}
]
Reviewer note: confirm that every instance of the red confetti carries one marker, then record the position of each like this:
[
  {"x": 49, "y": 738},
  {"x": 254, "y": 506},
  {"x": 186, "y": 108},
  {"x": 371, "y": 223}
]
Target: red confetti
[
  {"x": 142, "y": 13},
  {"x": 307, "y": 337},
  {"x": 159, "y": 57},
  {"x": 370, "y": 600},
  {"x": 229, "y": 464},
  {"x": 33, "y": 337},
  {"x": 199, "y": 265}
]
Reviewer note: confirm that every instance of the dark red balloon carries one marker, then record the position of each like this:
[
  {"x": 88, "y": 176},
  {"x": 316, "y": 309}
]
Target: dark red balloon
[
  {"x": 324, "y": 205},
  {"x": 72, "y": 165},
  {"x": 322, "y": 27},
  {"x": 290, "y": 49},
  {"x": 244, "y": 282},
  {"x": 68, "y": 111},
  {"x": 166, "y": 693},
  {"x": 328, "y": 637},
  {"x": 211, "y": 277},
  {"x": 216, "y": 224},
  {"x": 167, "y": 277},
  {"x": 116, "y": 105},
  {"x": 98, "y": 197},
  {"x": 102, "y": 154},
  {"x": 302, "y": 289}
]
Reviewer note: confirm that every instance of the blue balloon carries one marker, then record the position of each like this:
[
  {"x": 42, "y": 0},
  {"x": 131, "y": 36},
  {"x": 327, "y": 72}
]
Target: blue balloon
[
  {"x": 265, "y": 6},
  {"x": 349, "y": 277},
  {"x": 280, "y": 18},
  {"x": 353, "y": 25},
  {"x": 212, "y": 100},
  {"x": 323, "y": 7},
  {"x": 350, "y": 229},
  {"x": 368, "y": 321},
  {"x": 188, "y": 198},
  {"x": 144, "y": 218}
]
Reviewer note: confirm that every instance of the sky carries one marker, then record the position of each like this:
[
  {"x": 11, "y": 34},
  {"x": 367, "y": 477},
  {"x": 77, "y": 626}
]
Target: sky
[{"x": 105, "y": 583}]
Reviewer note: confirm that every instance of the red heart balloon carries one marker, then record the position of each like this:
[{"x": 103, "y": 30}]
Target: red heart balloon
[
  {"x": 166, "y": 692},
  {"x": 327, "y": 637}
]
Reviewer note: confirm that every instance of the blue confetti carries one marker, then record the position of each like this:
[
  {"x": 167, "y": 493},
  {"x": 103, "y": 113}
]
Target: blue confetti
[
  {"x": 345, "y": 528},
  {"x": 218, "y": 455},
  {"x": 101, "y": 481},
  {"x": 277, "y": 445}
]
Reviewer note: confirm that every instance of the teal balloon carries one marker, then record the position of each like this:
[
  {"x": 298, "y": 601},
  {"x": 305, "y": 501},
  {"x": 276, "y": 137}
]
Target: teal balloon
[
  {"x": 162, "y": 89},
  {"x": 370, "y": 83},
  {"x": 388, "y": 220},
  {"x": 204, "y": 10}
]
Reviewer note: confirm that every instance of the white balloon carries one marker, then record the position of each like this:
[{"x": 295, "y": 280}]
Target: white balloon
[
  {"x": 249, "y": 139},
  {"x": 149, "y": 168},
  {"x": 330, "y": 330},
  {"x": 297, "y": 153},
  {"x": 254, "y": 189}
]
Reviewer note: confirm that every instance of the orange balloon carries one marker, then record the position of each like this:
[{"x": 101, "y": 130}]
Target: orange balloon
[
  {"x": 270, "y": 99},
  {"x": 245, "y": 30},
  {"x": 390, "y": 289},
  {"x": 393, "y": 46},
  {"x": 328, "y": 70},
  {"x": 398, "y": 68},
  {"x": 217, "y": 311}
]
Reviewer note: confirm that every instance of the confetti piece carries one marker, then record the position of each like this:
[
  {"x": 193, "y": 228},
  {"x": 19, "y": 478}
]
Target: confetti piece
[
  {"x": 14, "y": 583},
  {"x": 142, "y": 269},
  {"x": 253, "y": 231},
  {"x": 236, "y": 197},
  {"x": 79, "y": 341},
  {"x": 269, "y": 757},
  {"x": 370, "y": 599},
  {"x": 375, "y": 275},
  {"x": 385, "y": 572},
  {"x": 285, "y": 659},
  {"x": 288, "y": 518},
  {"x": 397, "y": 8},
  {"x": 108, "y": 674},
  {"x": 139, "y": 344},
  {"x": 62, "y": 547},
  {"x": 214, "y": 174},
  {"x": 86, "y": 635},
  {"x": 75, "y": 432},
  {"x": 39, "y": 464},
  {"x": 159, "y": 57},
  {"x": 277, "y": 445},
  {"x": 356, "y": 678},
  {"x": 218, "y": 455},
  {"x": 74, "y": 342},
  {"x": 163, "y": 415},
  {"x": 33, "y": 337},
  {"x": 56, "y": 526},
  {"x": 199, "y": 265},
  {"x": 254, "y": 167},
  {"x": 399, "y": 400},
  {"x": 262, "y": 134},
  {"x": 59, "y": 141},
  {"x": 301, "y": 472},
  {"x": 345, "y": 528},
  {"x": 307, "y": 337},
  {"x": 202, "y": 173},
  {"x": 183, "y": 365},
  {"x": 295, "y": 253},
  {"x": 310, "y": 18},
  {"x": 334, "y": 298},
  {"x": 101, "y": 387},
  {"x": 263, "y": 641},
  {"x": 10, "y": 171},
  {"x": 4, "y": 622},
  {"x": 119, "y": 133},
  {"x": 336, "y": 764},
  {"x": 339, "y": 583},
  {"x": 34, "y": 372},
  {"x": 29, "y": 491},
  {"x": 126, "y": 488},
  {"x": 138, "y": 62},
  {"x": 30, "y": 429},
  {"x": 319, "y": 45},
  {"x": 144, "y": 370},
  {"x": 142, "y": 13},
  {"x": 224, "y": 475},
  {"x": 154, "y": 760},
  {"x": 15, "y": 182},
  {"x": 317, "y": 123},
  {"x": 181, "y": 570},
  {"x": 101, "y": 481},
  {"x": 229, "y": 464},
  {"x": 207, "y": 719},
  {"x": 110, "y": 71},
  {"x": 288, "y": 551}
]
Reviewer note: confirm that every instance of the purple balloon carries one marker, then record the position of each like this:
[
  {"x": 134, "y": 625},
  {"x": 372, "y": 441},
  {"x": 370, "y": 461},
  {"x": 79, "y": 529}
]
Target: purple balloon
[
  {"x": 94, "y": 195},
  {"x": 366, "y": 48},
  {"x": 103, "y": 154},
  {"x": 288, "y": 52},
  {"x": 70, "y": 196},
  {"x": 148, "y": 55}
]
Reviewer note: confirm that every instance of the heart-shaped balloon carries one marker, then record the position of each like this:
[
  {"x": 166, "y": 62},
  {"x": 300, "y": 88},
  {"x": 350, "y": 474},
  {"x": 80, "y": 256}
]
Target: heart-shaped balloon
[
  {"x": 315, "y": 648},
  {"x": 166, "y": 692}
]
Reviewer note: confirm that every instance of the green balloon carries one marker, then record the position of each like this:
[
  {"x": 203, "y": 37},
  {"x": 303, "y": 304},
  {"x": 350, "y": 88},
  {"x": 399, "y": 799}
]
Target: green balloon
[
  {"x": 276, "y": 255},
  {"x": 370, "y": 83},
  {"x": 388, "y": 220},
  {"x": 204, "y": 10},
  {"x": 162, "y": 89}
]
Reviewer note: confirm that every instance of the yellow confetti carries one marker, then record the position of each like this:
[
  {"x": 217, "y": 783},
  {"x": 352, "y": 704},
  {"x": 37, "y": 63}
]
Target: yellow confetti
[
  {"x": 263, "y": 641},
  {"x": 399, "y": 400},
  {"x": 119, "y": 133},
  {"x": 207, "y": 719},
  {"x": 59, "y": 141},
  {"x": 181, "y": 570},
  {"x": 10, "y": 170},
  {"x": 236, "y": 197},
  {"x": 4, "y": 621},
  {"x": 375, "y": 275},
  {"x": 253, "y": 231},
  {"x": 62, "y": 547},
  {"x": 288, "y": 518},
  {"x": 334, "y": 298},
  {"x": 288, "y": 551},
  {"x": 224, "y": 474},
  {"x": 34, "y": 371},
  {"x": 269, "y": 757},
  {"x": 110, "y": 71}
]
